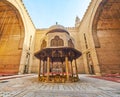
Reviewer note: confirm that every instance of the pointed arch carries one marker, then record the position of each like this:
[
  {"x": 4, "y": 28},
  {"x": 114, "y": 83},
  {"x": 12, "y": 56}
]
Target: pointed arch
[
  {"x": 57, "y": 41},
  {"x": 70, "y": 43},
  {"x": 44, "y": 44},
  {"x": 106, "y": 35},
  {"x": 11, "y": 38}
]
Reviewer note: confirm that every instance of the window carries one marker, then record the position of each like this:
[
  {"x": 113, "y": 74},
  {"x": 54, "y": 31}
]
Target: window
[
  {"x": 44, "y": 44},
  {"x": 70, "y": 43},
  {"x": 30, "y": 41},
  {"x": 57, "y": 41},
  {"x": 85, "y": 41}
]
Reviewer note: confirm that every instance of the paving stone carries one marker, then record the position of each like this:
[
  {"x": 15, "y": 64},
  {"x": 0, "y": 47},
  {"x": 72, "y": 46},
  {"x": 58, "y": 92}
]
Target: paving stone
[{"x": 86, "y": 87}]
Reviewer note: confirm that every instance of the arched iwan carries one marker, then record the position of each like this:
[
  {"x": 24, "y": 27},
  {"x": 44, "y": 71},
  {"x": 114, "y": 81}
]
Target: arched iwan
[
  {"x": 106, "y": 34},
  {"x": 11, "y": 38}
]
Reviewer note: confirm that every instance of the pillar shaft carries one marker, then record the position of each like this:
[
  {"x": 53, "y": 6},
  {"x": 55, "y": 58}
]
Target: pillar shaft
[
  {"x": 48, "y": 68},
  {"x": 76, "y": 68},
  {"x": 71, "y": 69},
  {"x": 39, "y": 70},
  {"x": 52, "y": 68},
  {"x": 67, "y": 68},
  {"x": 43, "y": 67},
  {"x": 62, "y": 69}
]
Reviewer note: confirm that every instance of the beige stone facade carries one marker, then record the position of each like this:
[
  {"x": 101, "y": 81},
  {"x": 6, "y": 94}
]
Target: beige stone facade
[
  {"x": 97, "y": 36},
  {"x": 16, "y": 37},
  {"x": 101, "y": 26}
]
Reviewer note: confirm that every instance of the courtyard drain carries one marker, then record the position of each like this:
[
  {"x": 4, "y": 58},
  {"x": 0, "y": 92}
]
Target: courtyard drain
[{"x": 3, "y": 81}]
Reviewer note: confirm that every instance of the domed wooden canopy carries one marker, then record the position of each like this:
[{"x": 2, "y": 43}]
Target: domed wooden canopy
[
  {"x": 58, "y": 54},
  {"x": 56, "y": 59},
  {"x": 57, "y": 28}
]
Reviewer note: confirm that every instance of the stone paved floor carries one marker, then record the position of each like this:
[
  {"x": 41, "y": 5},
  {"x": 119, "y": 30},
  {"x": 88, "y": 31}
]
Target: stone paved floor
[{"x": 86, "y": 87}]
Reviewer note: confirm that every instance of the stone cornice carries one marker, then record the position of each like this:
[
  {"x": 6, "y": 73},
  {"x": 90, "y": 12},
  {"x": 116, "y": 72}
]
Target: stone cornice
[
  {"x": 27, "y": 13},
  {"x": 70, "y": 28},
  {"x": 85, "y": 13}
]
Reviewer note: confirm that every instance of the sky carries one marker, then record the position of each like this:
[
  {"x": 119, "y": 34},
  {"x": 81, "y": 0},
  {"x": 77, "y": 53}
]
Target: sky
[{"x": 45, "y": 13}]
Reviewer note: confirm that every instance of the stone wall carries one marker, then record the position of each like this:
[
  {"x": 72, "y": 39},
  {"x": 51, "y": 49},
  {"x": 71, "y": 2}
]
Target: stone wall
[
  {"x": 17, "y": 38},
  {"x": 109, "y": 51}
]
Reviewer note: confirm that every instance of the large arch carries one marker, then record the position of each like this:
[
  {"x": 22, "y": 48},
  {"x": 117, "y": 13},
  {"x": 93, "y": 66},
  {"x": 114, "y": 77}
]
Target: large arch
[
  {"x": 11, "y": 38},
  {"x": 106, "y": 35}
]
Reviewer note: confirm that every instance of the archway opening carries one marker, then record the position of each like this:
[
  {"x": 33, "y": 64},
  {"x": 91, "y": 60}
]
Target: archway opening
[
  {"x": 11, "y": 38},
  {"x": 106, "y": 34}
]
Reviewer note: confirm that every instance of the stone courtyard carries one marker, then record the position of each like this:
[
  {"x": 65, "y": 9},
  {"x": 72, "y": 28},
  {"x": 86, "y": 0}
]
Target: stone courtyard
[{"x": 28, "y": 86}]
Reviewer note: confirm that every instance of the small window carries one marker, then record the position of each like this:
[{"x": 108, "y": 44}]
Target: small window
[
  {"x": 86, "y": 45},
  {"x": 57, "y": 41},
  {"x": 70, "y": 43},
  {"x": 44, "y": 44}
]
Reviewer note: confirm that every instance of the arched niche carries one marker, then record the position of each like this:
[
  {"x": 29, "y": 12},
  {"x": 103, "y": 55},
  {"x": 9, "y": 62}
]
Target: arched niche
[
  {"x": 44, "y": 44},
  {"x": 70, "y": 43},
  {"x": 106, "y": 34},
  {"x": 11, "y": 38},
  {"x": 57, "y": 41}
]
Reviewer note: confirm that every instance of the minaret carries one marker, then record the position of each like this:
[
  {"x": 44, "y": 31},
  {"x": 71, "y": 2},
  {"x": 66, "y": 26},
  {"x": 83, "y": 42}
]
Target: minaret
[
  {"x": 77, "y": 21},
  {"x": 56, "y": 23}
]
